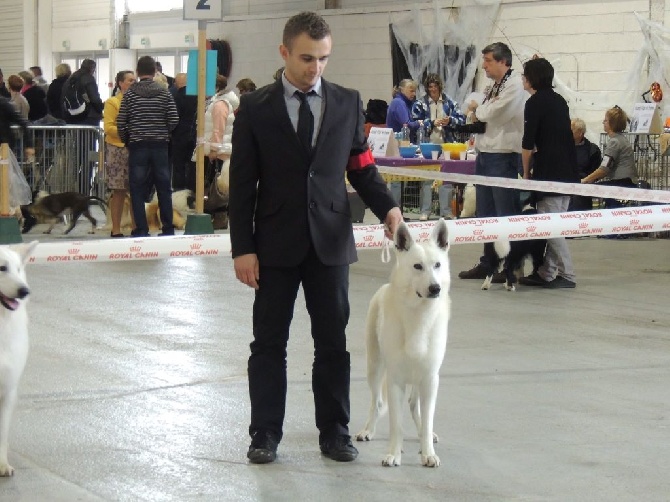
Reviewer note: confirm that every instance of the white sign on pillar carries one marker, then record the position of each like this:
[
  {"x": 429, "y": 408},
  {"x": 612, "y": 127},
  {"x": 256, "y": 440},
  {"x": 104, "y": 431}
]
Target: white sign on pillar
[{"x": 203, "y": 10}]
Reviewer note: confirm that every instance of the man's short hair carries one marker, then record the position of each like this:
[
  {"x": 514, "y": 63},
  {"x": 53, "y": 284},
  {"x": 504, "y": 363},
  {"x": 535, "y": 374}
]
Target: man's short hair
[
  {"x": 539, "y": 73},
  {"x": 37, "y": 71},
  {"x": 146, "y": 66},
  {"x": 578, "y": 124},
  {"x": 305, "y": 22},
  {"x": 500, "y": 52}
]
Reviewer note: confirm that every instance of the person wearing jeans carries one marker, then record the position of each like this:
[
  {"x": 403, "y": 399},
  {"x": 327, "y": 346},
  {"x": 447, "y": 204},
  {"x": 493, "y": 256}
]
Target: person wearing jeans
[
  {"x": 499, "y": 146},
  {"x": 146, "y": 118},
  {"x": 439, "y": 114}
]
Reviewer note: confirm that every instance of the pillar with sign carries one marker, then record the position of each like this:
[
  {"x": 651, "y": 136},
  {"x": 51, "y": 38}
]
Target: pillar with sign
[{"x": 201, "y": 11}]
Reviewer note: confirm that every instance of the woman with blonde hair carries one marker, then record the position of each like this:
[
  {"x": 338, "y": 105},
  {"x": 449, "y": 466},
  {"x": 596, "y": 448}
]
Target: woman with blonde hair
[
  {"x": 116, "y": 152},
  {"x": 55, "y": 91}
]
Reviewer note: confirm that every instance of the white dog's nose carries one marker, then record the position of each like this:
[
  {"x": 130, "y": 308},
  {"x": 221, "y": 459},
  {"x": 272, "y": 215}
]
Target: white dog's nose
[
  {"x": 22, "y": 293},
  {"x": 434, "y": 290}
]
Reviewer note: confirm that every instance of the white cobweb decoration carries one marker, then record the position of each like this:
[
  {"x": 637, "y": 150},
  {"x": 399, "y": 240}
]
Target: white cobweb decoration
[
  {"x": 472, "y": 27},
  {"x": 462, "y": 29}
]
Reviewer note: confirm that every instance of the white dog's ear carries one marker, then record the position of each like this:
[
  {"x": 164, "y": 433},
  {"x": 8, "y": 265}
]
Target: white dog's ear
[
  {"x": 402, "y": 239},
  {"x": 24, "y": 250},
  {"x": 441, "y": 234}
]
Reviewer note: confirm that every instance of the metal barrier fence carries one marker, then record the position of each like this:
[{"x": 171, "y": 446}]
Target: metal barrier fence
[{"x": 68, "y": 158}]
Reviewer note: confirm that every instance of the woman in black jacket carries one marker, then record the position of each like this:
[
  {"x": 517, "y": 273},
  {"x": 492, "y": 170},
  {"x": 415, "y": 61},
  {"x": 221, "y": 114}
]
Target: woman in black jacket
[{"x": 54, "y": 103}]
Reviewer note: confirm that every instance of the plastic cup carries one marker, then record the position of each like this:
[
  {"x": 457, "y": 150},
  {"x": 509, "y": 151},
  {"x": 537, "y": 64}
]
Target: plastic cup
[
  {"x": 434, "y": 154},
  {"x": 463, "y": 155}
]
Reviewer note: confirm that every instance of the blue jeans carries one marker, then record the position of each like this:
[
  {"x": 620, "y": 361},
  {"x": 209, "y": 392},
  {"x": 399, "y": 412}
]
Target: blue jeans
[
  {"x": 495, "y": 201},
  {"x": 147, "y": 166}
]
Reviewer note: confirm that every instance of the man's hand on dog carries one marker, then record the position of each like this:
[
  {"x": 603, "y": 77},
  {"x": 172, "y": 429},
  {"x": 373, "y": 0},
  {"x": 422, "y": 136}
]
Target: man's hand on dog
[
  {"x": 246, "y": 269},
  {"x": 393, "y": 219}
]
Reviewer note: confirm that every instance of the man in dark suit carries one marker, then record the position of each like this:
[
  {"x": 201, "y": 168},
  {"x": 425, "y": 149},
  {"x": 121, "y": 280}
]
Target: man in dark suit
[{"x": 293, "y": 141}]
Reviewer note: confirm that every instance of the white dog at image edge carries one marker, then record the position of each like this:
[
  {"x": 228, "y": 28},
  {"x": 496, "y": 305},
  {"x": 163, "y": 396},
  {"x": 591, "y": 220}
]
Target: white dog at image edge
[
  {"x": 14, "y": 293},
  {"x": 406, "y": 336}
]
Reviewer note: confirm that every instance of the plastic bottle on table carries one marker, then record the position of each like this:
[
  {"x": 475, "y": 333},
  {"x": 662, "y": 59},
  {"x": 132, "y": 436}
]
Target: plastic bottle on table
[
  {"x": 420, "y": 135},
  {"x": 404, "y": 135}
]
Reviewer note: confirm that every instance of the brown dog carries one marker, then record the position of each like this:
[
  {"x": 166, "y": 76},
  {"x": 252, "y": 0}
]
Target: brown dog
[{"x": 52, "y": 207}]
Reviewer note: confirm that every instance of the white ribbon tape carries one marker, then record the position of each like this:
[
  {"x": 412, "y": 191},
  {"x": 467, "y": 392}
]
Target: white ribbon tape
[
  {"x": 534, "y": 226},
  {"x": 520, "y": 227},
  {"x": 594, "y": 190}
]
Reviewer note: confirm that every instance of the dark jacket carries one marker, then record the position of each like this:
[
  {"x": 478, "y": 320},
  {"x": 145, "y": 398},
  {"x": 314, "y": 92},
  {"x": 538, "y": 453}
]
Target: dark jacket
[
  {"x": 94, "y": 104},
  {"x": 9, "y": 116},
  {"x": 187, "y": 107},
  {"x": 36, "y": 99},
  {"x": 147, "y": 113},
  {"x": 282, "y": 201},
  {"x": 54, "y": 94},
  {"x": 588, "y": 158}
]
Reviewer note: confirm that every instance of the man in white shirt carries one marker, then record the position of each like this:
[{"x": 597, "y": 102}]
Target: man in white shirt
[{"x": 499, "y": 146}]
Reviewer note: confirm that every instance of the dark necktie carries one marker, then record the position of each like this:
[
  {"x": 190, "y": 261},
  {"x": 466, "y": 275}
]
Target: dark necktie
[{"x": 305, "y": 122}]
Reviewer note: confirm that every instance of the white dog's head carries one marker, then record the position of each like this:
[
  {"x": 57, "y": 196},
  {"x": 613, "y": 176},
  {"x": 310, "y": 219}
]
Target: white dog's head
[
  {"x": 13, "y": 285},
  {"x": 423, "y": 268}
]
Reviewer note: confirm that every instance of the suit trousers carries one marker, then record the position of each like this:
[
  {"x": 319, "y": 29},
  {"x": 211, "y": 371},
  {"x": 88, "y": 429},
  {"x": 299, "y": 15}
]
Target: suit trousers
[{"x": 326, "y": 297}]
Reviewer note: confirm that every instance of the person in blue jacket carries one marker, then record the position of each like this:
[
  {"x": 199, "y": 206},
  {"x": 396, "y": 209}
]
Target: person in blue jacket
[
  {"x": 398, "y": 114},
  {"x": 439, "y": 113}
]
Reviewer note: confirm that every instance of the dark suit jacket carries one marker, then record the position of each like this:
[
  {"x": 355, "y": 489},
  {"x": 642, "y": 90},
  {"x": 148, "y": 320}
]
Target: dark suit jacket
[{"x": 281, "y": 201}]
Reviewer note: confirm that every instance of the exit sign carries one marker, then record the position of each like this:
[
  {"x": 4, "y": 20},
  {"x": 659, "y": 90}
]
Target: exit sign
[{"x": 203, "y": 10}]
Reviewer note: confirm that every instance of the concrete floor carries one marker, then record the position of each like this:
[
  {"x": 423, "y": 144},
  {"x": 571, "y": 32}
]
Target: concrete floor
[{"x": 135, "y": 388}]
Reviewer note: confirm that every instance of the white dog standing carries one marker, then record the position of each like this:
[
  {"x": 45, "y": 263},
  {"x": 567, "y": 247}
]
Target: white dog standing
[
  {"x": 13, "y": 336},
  {"x": 406, "y": 334}
]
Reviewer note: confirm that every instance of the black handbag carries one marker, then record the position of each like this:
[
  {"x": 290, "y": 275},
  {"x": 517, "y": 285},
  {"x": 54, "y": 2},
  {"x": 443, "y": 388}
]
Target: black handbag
[{"x": 473, "y": 128}]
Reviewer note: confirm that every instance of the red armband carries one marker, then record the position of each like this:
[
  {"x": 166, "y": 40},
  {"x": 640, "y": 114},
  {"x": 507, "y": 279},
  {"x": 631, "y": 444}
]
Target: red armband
[{"x": 360, "y": 161}]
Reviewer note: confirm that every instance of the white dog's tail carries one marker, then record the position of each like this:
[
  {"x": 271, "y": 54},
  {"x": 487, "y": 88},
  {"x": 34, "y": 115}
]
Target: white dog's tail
[{"x": 502, "y": 248}]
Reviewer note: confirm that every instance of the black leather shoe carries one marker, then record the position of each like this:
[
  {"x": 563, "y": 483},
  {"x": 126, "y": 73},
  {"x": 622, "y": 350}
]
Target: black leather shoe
[
  {"x": 263, "y": 448},
  {"x": 476, "y": 272},
  {"x": 339, "y": 448}
]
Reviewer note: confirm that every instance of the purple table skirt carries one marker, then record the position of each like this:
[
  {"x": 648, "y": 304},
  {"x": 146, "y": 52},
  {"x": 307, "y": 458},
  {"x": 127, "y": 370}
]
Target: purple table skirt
[{"x": 446, "y": 166}]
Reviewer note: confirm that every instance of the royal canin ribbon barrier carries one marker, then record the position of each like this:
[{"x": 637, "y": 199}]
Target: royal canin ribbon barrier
[{"x": 470, "y": 230}]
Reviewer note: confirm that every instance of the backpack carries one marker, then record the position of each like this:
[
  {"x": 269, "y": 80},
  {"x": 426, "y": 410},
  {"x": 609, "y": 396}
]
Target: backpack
[{"x": 74, "y": 98}]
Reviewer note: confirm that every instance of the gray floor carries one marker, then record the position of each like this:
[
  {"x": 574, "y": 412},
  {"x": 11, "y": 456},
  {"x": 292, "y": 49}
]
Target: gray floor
[{"x": 135, "y": 388}]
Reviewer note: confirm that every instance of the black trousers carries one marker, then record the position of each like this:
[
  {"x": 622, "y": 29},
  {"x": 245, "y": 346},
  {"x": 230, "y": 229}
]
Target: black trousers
[
  {"x": 183, "y": 171},
  {"x": 326, "y": 296}
]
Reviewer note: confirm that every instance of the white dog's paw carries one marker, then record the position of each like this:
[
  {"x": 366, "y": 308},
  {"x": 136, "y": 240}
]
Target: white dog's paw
[
  {"x": 510, "y": 287},
  {"x": 6, "y": 469},
  {"x": 430, "y": 460},
  {"x": 391, "y": 460},
  {"x": 365, "y": 435}
]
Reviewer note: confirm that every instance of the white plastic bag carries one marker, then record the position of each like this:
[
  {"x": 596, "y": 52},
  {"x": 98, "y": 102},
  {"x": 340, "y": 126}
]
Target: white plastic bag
[{"x": 19, "y": 190}]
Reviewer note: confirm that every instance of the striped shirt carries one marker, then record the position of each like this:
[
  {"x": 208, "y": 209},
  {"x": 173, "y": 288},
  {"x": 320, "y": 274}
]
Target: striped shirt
[{"x": 147, "y": 113}]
